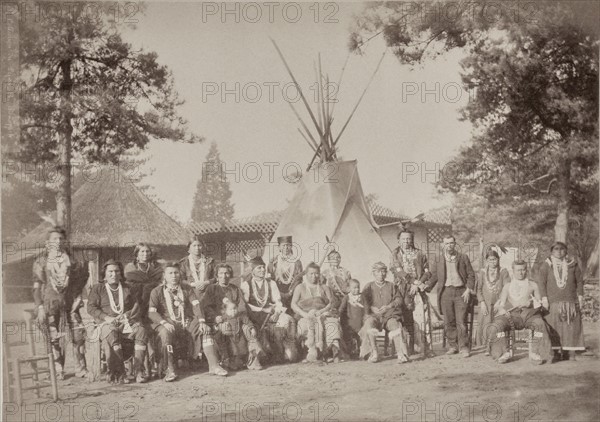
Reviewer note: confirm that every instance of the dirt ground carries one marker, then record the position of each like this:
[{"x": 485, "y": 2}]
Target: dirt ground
[{"x": 444, "y": 388}]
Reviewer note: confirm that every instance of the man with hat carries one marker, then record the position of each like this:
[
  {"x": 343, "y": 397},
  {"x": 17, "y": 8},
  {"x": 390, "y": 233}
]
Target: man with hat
[
  {"x": 236, "y": 336},
  {"x": 286, "y": 270},
  {"x": 178, "y": 320},
  {"x": 277, "y": 329},
  {"x": 58, "y": 281},
  {"x": 561, "y": 287},
  {"x": 114, "y": 308},
  {"x": 383, "y": 303}
]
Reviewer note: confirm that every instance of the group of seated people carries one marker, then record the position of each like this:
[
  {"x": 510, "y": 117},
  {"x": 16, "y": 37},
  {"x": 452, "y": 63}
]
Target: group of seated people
[{"x": 280, "y": 312}]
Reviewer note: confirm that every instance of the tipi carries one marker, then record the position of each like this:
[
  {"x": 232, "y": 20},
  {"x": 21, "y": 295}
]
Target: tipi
[{"x": 328, "y": 210}]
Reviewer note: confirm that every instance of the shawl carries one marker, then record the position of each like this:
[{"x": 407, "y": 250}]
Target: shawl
[{"x": 141, "y": 283}]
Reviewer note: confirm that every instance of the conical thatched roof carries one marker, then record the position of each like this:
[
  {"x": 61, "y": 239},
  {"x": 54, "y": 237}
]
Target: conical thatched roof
[{"x": 109, "y": 210}]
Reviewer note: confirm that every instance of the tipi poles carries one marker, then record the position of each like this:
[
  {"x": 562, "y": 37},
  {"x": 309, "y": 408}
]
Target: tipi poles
[
  {"x": 312, "y": 116},
  {"x": 353, "y": 110}
]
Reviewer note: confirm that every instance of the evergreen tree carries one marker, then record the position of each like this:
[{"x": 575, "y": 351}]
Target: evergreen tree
[
  {"x": 89, "y": 95},
  {"x": 212, "y": 201}
]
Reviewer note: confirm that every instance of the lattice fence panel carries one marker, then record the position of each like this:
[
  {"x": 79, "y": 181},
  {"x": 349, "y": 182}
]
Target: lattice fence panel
[
  {"x": 435, "y": 235},
  {"x": 241, "y": 246}
]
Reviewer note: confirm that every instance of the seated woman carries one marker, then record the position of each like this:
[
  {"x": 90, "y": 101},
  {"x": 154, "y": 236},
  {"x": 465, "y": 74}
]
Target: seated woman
[{"x": 318, "y": 330}]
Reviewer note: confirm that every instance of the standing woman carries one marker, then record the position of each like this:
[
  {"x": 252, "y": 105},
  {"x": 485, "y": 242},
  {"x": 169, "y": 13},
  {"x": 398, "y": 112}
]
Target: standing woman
[
  {"x": 197, "y": 269},
  {"x": 492, "y": 280},
  {"x": 561, "y": 288},
  {"x": 143, "y": 275}
]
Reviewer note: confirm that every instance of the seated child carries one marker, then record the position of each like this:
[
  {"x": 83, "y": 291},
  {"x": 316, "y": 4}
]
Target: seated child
[{"x": 351, "y": 317}]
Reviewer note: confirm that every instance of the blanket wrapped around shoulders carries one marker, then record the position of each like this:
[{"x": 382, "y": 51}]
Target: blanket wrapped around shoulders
[{"x": 141, "y": 284}]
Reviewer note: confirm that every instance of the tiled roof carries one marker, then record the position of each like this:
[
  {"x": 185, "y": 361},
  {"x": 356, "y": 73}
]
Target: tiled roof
[
  {"x": 439, "y": 216},
  {"x": 267, "y": 222}
]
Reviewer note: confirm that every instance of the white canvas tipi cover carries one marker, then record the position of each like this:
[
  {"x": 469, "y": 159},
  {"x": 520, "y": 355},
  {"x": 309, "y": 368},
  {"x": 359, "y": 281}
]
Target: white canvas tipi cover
[{"x": 330, "y": 203}]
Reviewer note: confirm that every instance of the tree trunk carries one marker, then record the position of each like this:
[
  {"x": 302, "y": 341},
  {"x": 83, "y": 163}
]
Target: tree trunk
[
  {"x": 63, "y": 196},
  {"x": 561, "y": 227}
]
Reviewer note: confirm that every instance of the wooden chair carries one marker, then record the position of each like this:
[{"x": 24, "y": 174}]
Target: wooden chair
[
  {"x": 16, "y": 369},
  {"x": 513, "y": 340}
]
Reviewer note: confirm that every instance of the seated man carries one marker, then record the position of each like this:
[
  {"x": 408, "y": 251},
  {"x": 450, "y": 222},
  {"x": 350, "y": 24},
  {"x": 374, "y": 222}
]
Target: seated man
[
  {"x": 523, "y": 300},
  {"x": 318, "y": 330},
  {"x": 383, "y": 304},
  {"x": 114, "y": 308},
  {"x": 223, "y": 305},
  {"x": 177, "y": 319},
  {"x": 276, "y": 329}
]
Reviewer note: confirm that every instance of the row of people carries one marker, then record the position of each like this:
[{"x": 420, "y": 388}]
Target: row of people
[{"x": 259, "y": 318}]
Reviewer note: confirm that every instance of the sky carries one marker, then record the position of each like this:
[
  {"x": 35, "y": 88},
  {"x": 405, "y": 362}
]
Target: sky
[{"x": 407, "y": 124}]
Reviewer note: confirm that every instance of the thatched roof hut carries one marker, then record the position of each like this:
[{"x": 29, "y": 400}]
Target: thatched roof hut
[{"x": 110, "y": 214}]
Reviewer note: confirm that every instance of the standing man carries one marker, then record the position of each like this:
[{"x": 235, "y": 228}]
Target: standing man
[
  {"x": 223, "y": 305},
  {"x": 178, "y": 320},
  {"x": 411, "y": 272},
  {"x": 286, "y": 270},
  {"x": 115, "y": 309},
  {"x": 456, "y": 278},
  {"x": 383, "y": 304},
  {"x": 58, "y": 281}
]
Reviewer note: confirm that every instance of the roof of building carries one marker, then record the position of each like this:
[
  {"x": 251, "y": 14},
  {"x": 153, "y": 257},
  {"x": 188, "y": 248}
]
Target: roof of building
[
  {"x": 268, "y": 222},
  {"x": 109, "y": 211}
]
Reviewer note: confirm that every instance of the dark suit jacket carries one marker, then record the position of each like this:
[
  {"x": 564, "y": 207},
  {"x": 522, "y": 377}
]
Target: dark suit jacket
[{"x": 465, "y": 271}]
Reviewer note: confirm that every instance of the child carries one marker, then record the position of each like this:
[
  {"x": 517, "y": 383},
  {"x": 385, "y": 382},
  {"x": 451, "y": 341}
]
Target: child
[{"x": 351, "y": 314}]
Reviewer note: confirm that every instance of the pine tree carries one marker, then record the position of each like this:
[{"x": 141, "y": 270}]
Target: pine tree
[
  {"x": 212, "y": 201},
  {"x": 87, "y": 94}
]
